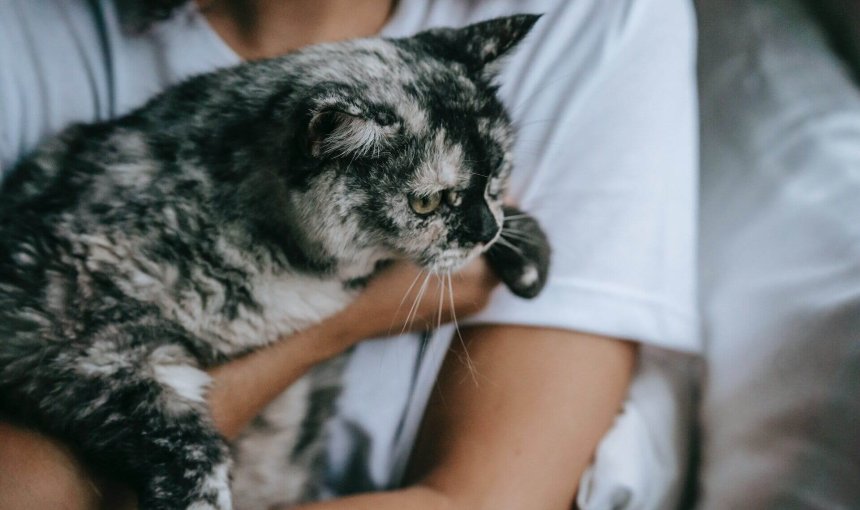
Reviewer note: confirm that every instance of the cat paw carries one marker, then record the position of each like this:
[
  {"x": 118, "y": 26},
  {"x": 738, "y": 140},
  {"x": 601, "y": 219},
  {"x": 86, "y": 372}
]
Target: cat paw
[{"x": 521, "y": 255}]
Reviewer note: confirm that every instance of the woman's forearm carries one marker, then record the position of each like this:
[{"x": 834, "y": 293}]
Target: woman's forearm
[
  {"x": 516, "y": 427},
  {"x": 241, "y": 388},
  {"x": 412, "y": 498}
]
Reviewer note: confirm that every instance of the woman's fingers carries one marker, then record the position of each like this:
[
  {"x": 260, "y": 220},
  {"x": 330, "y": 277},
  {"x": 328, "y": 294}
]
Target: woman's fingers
[{"x": 407, "y": 298}]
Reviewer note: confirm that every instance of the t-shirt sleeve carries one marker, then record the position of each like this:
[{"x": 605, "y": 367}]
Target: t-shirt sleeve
[{"x": 606, "y": 159}]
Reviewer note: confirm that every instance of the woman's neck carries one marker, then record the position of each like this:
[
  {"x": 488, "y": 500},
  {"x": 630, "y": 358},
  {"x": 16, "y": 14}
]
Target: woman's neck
[{"x": 266, "y": 28}]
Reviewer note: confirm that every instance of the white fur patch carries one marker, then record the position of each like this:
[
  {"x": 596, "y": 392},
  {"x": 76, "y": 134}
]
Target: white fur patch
[
  {"x": 443, "y": 170},
  {"x": 101, "y": 359},
  {"x": 353, "y": 136},
  {"x": 529, "y": 276},
  {"x": 134, "y": 167},
  {"x": 413, "y": 115},
  {"x": 133, "y": 175},
  {"x": 188, "y": 382},
  {"x": 23, "y": 258},
  {"x": 172, "y": 367},
  {"x": 56, "y": 292},
  {"x": 217, "y": 482}
]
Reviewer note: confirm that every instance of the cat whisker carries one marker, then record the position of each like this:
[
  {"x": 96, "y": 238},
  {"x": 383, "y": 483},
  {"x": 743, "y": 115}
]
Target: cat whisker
[
  {"x": 413, "y": 312},
  {"x": 520, "y": 237},
  {"x": 419, "y": 299},
  {"x": 507, "y": 244},
  {"x": 405, "y": 295},
  {"x": 515, "y": 217},
  {"x": 471, "y": 366},
  {"x": 441, "y": 297},
  {"x": 515, "y": 230},
  {"x": 514, "y": 236},
  {"x": 467, "y": 160}
]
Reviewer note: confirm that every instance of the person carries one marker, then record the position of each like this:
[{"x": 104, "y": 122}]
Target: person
[{"x": 603, "y": 96}]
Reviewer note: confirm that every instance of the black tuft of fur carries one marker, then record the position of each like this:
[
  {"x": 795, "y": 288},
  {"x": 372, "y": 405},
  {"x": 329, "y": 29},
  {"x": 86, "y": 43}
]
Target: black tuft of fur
[{"x": 482, "y": 43}]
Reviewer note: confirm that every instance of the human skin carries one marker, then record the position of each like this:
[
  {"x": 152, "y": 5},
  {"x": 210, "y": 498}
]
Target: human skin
[{"x": 515, "y": 433}]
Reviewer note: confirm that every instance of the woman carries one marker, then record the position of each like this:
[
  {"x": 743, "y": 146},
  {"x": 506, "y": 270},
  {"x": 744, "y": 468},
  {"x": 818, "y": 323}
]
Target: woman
[{"x": 602, "y": 93}]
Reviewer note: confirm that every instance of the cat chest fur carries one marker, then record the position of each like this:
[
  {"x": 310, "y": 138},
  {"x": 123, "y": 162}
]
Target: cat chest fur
[{"x": 240, "y": 302}]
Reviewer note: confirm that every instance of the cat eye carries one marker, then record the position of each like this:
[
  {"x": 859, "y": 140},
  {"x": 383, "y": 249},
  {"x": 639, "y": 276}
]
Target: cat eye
[{"x": 425, "y": 204}]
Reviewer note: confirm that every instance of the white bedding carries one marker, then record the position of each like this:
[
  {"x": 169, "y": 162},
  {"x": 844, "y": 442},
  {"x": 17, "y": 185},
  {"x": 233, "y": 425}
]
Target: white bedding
[
  {"x": 780, "y": 261},
  {"x": 780, "y": 286}
]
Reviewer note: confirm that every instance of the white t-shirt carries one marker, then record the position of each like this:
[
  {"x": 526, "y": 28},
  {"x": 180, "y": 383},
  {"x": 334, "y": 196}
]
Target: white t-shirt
[{"x": 602, "y": 93}]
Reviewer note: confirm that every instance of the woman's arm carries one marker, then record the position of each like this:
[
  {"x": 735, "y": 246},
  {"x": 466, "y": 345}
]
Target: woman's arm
[
  {"x": 518, "y": 429},
  {"x": 37, "y": 471},
  {"x": 241, "y": 388}
]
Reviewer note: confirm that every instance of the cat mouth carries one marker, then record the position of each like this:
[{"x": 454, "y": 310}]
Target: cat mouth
[{"x": 452, "y": 261}]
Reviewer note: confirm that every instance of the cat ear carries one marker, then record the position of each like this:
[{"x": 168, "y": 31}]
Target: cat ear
[
  {"x": 482, "y": 43},
  {"x": 343, "y": 130}
]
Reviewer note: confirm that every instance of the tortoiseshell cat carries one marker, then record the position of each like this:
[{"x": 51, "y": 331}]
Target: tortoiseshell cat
[{"x": 231, "y": 210}]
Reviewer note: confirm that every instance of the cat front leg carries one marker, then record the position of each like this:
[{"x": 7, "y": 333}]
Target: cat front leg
[{"x": 151, "y": 419}]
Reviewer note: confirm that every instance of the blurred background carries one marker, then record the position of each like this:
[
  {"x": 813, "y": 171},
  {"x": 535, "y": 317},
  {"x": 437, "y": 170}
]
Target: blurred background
[{"x": 778, "y": 424}]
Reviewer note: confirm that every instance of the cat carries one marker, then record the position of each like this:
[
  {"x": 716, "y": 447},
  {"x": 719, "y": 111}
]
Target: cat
[{"x": 234, "y": 209}]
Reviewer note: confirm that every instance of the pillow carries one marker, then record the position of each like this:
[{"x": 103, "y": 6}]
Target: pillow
[{"x": 780, "y": 261}]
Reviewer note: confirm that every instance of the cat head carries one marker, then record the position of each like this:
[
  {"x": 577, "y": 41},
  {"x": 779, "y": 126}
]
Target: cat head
[{"x": 399, "y": 148}]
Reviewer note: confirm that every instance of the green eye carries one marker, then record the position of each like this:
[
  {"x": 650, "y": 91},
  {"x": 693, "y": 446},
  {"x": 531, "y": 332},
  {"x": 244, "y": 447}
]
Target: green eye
[{"x": 426, "y": 204}]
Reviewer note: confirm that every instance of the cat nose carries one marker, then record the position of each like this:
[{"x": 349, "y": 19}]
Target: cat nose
[{"x": 483, "y": 224}]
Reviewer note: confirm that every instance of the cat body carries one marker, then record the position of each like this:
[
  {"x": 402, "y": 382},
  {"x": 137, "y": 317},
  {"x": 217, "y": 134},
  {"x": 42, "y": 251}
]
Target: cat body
[{"x": 234, "y": 209}]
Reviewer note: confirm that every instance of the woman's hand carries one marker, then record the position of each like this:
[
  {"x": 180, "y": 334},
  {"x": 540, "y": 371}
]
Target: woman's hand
[
  {"x": 241, "y": 388},
  {"x": 406, "y": 298}
]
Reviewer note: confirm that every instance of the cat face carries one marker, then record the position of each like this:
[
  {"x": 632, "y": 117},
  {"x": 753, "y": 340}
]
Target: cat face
[
  {"x": 404, "y": 149},
  {"x": 435, "y": 196}
]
